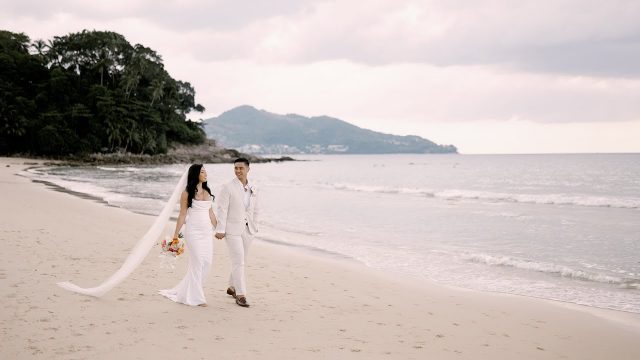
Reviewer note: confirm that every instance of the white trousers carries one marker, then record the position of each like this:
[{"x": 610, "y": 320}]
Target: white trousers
[{"x": 238, "y": 246}]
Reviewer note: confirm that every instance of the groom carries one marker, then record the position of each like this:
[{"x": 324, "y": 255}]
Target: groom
[{"x": 238, "y": 222}]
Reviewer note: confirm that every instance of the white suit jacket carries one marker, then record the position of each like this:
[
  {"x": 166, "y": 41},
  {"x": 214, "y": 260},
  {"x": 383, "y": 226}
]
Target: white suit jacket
[{"x": 232, "y": 215}]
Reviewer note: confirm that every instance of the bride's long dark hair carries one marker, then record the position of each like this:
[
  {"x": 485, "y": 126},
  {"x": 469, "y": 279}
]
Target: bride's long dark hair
[{"x": 192, "y": 182}]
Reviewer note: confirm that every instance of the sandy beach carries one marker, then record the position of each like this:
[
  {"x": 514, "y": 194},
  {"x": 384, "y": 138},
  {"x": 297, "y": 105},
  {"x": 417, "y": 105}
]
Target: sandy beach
[{"x": 305, "y": 305}]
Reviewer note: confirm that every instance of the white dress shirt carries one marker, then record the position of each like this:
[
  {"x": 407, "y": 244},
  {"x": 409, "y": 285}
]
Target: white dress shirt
[{"x": 247, "y": 195}]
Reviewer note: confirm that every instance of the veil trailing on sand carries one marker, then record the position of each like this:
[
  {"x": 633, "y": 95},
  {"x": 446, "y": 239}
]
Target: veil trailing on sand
[{"x": 140, "y": 250}]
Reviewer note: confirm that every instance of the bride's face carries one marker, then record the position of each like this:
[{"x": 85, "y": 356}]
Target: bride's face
[{"x": 203, "y": 175}]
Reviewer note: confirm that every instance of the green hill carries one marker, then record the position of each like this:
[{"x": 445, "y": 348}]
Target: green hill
[{"x": 260, "y": 132}]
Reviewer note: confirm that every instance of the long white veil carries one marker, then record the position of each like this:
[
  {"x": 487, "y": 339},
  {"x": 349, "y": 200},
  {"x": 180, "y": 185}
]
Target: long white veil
[{"x": 140, "y": 250}]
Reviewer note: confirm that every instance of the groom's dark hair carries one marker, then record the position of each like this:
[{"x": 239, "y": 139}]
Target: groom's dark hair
[{"x": 242, "y": 160}]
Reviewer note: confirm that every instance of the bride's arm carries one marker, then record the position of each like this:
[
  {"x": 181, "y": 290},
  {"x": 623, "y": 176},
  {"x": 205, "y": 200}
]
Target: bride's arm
[
  {"x": 183, "y": 214},
  {"x": 212, "y": 216}
]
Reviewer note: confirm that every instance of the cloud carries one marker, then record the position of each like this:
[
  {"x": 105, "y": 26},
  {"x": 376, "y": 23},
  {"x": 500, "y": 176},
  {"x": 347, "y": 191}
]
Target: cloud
[
  {"x": 419, "y": 93},
  {"x": 176, "y": 15},
  {"x": 590, "y": 38},
  {"x": 572, "y": 37},
  {"x": 401, "y": 66},
  {"x": 525, "y": 137},
  {"x": 565, "y": 37}
]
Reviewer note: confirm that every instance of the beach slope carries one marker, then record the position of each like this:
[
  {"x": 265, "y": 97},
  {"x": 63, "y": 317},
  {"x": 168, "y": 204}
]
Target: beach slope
[{"x": 304, "y": 305}]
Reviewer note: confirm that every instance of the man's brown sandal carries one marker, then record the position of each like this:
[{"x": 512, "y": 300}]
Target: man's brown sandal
[
  {"x": 231, "y": 291},
  {"x": 242, "y": 301}
]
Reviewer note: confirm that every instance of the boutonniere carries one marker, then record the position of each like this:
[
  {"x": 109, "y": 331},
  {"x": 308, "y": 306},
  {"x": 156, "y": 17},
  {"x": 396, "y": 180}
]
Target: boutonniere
[{"x": 253, "y": 190}]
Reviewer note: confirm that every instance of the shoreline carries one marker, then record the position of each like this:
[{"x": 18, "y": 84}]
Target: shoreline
[
  {"x": 303, "y": 305},
  {"x": 207, "y": 152},
  {"x": 131, "y": 159},
  {"x": 600, "y": 311}
]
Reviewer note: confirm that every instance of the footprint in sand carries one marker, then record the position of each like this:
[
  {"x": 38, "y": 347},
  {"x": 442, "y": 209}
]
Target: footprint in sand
[{"x": 34, "y": 350}]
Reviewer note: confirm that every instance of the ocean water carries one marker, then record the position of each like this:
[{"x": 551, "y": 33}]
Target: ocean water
[{"x": 560, "y": 227}]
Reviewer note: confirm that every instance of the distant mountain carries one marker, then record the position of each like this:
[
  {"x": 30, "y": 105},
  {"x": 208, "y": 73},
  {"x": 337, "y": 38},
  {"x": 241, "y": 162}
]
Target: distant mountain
[{"x": 250, "y": 130}]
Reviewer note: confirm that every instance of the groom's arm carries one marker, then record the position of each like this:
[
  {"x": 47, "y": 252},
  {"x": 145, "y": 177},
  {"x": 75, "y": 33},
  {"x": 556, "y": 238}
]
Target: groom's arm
[
  {"x": 256, "y": 211},
  {"x": 223, "y": 209}
]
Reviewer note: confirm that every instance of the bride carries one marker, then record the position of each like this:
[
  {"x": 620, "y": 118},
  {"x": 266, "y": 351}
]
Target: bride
[{"x": 196, "y": 211}]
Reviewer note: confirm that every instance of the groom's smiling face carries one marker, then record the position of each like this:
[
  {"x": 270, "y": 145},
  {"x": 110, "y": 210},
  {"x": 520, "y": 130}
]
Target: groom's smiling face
[{"x": 241, "y": 169}]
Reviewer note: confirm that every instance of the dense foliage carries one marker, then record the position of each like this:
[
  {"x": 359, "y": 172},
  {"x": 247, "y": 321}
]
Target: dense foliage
[{"x": 90, "y": 92}]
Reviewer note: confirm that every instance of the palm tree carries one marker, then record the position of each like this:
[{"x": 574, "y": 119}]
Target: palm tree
[
  {"x": 40, "y": 47},
  {"x": 103, "y": 61},
  {"x": 157, "y": 90}
]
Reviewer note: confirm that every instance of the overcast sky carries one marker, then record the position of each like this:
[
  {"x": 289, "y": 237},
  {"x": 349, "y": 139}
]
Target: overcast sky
[{"x": 487, "y": 76}]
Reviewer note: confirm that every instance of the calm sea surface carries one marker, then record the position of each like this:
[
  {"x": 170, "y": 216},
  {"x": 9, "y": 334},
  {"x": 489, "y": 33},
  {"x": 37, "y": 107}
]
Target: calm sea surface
[{"x": 562, "y": 227}]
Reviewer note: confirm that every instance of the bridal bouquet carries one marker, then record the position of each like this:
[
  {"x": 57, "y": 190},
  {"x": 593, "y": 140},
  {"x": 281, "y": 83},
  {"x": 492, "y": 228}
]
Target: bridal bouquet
[{"x": 171, "y": 250}]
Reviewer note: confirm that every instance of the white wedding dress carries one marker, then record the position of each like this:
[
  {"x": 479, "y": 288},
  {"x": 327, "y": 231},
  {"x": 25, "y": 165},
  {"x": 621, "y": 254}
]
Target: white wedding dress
[
  {"x": 199, "y": 241},
  {"x": 139, "y": 251}
]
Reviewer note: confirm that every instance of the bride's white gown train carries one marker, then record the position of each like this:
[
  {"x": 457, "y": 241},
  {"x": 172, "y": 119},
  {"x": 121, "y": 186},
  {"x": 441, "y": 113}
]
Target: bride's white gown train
[{"x": 199, "y": 242}]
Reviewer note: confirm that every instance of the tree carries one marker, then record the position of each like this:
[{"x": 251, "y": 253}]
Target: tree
[
  {"x": 157, "y": 90},
  {"x": 87, "y": 92},
  {"x": 21, "y": 76}
]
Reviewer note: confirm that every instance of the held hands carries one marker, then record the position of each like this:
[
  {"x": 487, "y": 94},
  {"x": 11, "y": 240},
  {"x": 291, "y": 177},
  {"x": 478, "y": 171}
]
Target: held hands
[{"x": 219, "y": 236}]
